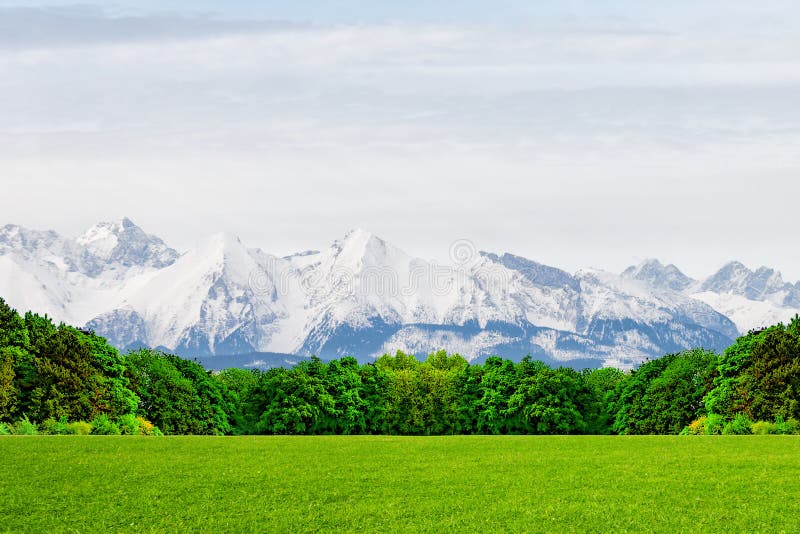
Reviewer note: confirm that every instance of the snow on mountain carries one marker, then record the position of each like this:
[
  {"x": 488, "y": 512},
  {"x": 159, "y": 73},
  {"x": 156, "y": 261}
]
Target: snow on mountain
[
  {"x": 363, "y": 296},
  {"x": 73, "y": 279},
  {"x": 655, "y": 274},
  {"x": 609, "y": 297},
  {"x": 116, "y": 246},
  {"x": 125, "y": 244},
  {"x": 751, "y": 299},
  {"x": 747, "y": 314},
  {"x": 762, "y": 284},
  {"x": 201, "y": 303}
]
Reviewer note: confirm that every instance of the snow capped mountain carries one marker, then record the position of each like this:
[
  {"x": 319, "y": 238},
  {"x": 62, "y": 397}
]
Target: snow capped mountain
[
  {"x": 751, "y": 299},
  {"x": 653, "y": 273},
  {"x": 363, "y": 296},
  {"x": 200, "y": 304},
  {"x": 108, "y": 246},
  {"x": 761, "y": 284},
  {"x": 125, "y": 244}
]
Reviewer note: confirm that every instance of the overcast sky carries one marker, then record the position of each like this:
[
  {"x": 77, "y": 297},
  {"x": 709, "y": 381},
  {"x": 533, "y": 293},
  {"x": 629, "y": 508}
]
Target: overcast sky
[{"x": 576, "y": 133}]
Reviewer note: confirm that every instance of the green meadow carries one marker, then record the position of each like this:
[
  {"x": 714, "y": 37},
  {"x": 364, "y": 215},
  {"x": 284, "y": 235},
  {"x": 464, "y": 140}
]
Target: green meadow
[{"x": 374, "y": 483}]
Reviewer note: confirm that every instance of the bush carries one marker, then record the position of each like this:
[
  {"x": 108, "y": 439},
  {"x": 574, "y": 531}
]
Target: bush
[
  {"x": 79, "y": 428},
  {"x": 24, "y": 427},
  {"x": 146, "y": 428},
  {"x": 792, "y": 426},
  {"x": 740, "y": 425},
  {"x": 696, "y": 427},
  {"x": 128, "y": 425},
  {"x": 785, "y": 427},
  {"x": 103, "y": 426},
  {"x": 713, "y": 424},
  {"x": 51, "y": 426},
  {"x": 157, "y": 432},
  {"x": 4, "y": 430},
  {"x": 762, "y": 428}
]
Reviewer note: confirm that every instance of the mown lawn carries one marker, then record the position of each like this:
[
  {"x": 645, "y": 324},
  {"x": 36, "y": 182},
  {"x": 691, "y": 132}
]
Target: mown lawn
[{"x": 465, "y": 483}]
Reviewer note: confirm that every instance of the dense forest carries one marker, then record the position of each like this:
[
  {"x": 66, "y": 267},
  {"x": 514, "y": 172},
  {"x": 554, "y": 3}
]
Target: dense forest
[{"x": 56, "y": 379}]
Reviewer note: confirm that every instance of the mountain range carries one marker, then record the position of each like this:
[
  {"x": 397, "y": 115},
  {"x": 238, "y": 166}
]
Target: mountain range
[{"x": 222, "y": 301}]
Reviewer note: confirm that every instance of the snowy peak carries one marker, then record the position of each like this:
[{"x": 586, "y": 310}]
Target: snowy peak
[
  {"x": 363, "y": 296},
  {"x": 536, "y": 273},
  {"x": 123, "y": 243},
  {"x": 222, "y": 252},
  {"x": 46, "y": 249},
  {"x": 358, "y": 234},
  {"x": 356, "y": 243},
  {"x": 731, "y": 278},
  {"x": 360, "y": 249},
  {"x": 14, "y": 237},
  {"x": 657, "y": 275},
  {"x": 736, "y": 279}
]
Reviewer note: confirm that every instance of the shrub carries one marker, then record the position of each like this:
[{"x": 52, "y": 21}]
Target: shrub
[
  {"x": 24, "y": 427},
  {"x": 103, "y": 426},
  {"x": 696, "y": 427},
  {"x": 129, "y": 424},
  {"x": 785, "y": 427},
  {"x": 4, "y": 430},
  {"x": 740, "y": 425},
  {"x": 146, "y": 428},
  {"x": 157, "y": 431},
  {"x": 762, "y": 428},
  {"x": 792, "y": 426},
  {"x": 714, "y": 424},
  {"x": 79, "y": 428},
  {"x": 51, "y": 426}
]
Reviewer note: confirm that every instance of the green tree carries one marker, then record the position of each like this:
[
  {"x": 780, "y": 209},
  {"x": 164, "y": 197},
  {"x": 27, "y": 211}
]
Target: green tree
[
  {"x": 498, "y": 384},
  {"x": 8, "y": 386},
  {"x": 601, "y": 383},
  {"x": 291, "y": 401},
  {"x": 239, "y": 383},
  {"x": 729, "y": 396},
  {"x": 177, "y": 395},
  {"x": 12, "y": 328},
  {"x": 404, "y": 396},
  {"x": 64, "y": 383},
  {"x": 548, "y": 401},
  {"x": 664, "y": 395},
  {"x": 440, "y": 379},
  {"x": 771, "y": 386}
]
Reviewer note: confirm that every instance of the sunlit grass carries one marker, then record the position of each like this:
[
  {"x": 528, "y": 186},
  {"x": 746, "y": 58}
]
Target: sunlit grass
[{"x": 519, "y": 483}]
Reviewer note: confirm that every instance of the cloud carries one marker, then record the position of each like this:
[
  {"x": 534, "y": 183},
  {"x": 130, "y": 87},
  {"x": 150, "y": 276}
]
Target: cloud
[
  {"x": 580, "y": 141},
  {"x": 45, "y": 27}
]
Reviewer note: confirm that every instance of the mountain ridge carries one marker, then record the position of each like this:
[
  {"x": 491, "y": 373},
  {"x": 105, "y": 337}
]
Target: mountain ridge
[{"x": 363, "y": 296}]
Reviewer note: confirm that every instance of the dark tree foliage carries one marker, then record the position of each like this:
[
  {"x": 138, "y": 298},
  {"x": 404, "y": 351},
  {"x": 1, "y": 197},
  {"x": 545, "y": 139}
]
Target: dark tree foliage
[
  {"x": 179, "y": 396},
  {"x": 50, "y": 372},
  {"x": 729, "y": 396},
  {"x": 56, "y": 372},
  {"x": 8, "y": 388},
  {"x": 773, "y": 383},
  {"x": 664, "y": 395},
  {"x": 239, "y": 384},
  {"x": 759, "y": 376},
  {"x": 65, "y": 384}
]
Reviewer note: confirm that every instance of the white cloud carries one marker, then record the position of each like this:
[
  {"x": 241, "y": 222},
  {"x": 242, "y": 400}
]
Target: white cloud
[{"x": 593, "y": 144}]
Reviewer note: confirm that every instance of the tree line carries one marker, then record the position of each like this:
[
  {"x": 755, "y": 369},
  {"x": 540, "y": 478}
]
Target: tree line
[{"x": 58, "y": 379}]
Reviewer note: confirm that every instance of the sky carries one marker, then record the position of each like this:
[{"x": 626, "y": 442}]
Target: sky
[{"x": 575, "y": 133}]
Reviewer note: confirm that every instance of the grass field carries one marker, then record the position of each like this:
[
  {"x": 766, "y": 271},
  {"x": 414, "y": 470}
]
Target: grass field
[{"x": 506, "y": 483}]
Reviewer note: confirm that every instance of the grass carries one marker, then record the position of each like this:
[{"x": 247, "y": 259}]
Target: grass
[{"x": 465, "y": 483}]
